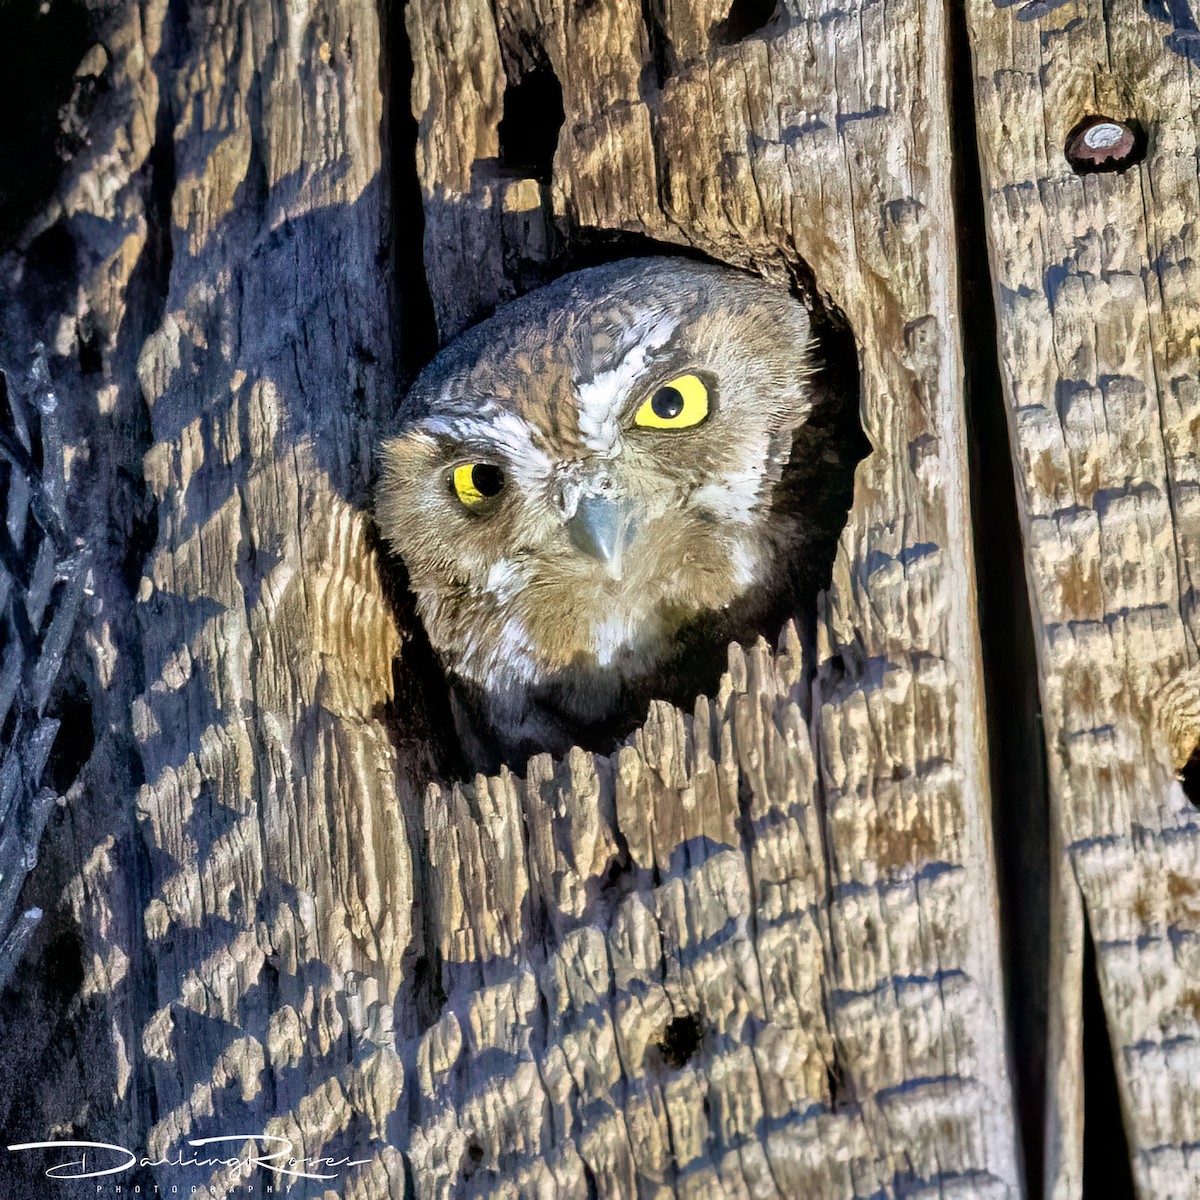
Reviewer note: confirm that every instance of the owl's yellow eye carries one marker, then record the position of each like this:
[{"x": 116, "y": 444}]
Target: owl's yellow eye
[
  {"x": 476, "y": 482},
  {"x": 679, "y": 404}
]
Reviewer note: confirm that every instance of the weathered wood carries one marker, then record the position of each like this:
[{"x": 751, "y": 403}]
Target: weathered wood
[
  {"x": 753, "y": 953},
  {"x": 830, "y": 926},
  {"x": 1096, "y": 283},
  {"x": 244, "y": 942},
  {"x": 280, "y": 858}
]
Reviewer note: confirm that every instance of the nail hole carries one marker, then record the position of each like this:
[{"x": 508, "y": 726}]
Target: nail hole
[
  {"x": 528, "y": 131},
  {"x": 746, "y": 17},
  {"x": 681, "y": 1040},
  {"x": 1098, "y": 144}
]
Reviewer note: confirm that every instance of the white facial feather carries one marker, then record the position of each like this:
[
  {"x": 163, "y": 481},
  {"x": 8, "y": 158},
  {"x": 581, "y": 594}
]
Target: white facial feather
[
  {"x": 508, "y": 432},
  {"x": 603, "y": 398},
  {"x": 614, "y": 632},
  {"x": 506, "y": 579},
  {"x": 735, "y": 496},
  {"x": 745, "y": 561},
  {"x": 512, "y": 655}
]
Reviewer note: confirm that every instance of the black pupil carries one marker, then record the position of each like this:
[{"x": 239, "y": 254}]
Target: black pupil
[
  {"x": 487, "y": 479},
  {"x": 667, "y": 403}
]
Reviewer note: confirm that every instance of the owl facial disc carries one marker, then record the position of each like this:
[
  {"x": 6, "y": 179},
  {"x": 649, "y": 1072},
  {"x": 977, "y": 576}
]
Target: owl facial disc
[{"x": 589, "y": 476}]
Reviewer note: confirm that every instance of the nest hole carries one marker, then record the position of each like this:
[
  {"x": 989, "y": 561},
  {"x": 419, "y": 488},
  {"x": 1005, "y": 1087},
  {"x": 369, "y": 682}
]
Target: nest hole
[
  {"x": 746, "y": 18},
  {"x": 528, "y": 131},
  {"x": 818, "y": 482}
]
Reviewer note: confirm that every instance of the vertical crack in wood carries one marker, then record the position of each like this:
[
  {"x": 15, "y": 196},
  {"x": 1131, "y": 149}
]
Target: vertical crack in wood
[
  {"x": 414, "y": 330},
  {"x": 660, "y": 63},
  {"x": 1106, "y": 1161},
  {"x": 1020, "y": 800}
]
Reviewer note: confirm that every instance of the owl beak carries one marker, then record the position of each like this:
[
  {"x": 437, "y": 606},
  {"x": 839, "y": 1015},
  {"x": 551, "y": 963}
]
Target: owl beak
[{"x": 601, "y": 527}]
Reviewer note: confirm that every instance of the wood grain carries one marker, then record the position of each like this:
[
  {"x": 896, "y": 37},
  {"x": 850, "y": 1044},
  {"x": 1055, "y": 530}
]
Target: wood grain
[
  {"x": 1095, "y": 284},
  {"x": 830, "y": 921}
]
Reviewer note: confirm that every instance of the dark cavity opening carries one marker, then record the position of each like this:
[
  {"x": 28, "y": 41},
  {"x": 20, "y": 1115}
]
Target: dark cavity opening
[
  {"x": 414, "y": 330},
  {"x": 746, "y": 18},
  {"x": 841, "y": 1094},
  {"x": 1106, "y": 1166},
  {"x": 662, "y": 57},
  {"x": 680, "y": 1041},
  {"x": 1189, "y": 777},
  {"x": 91, "y": 356},
  {"x": 76, "y": 736},
  {"x": 47, "y": 43},
  {"x": 528, "y": 131},
  {"x": 471, "y": 1160},
  {"x": 51, "y": 267}
]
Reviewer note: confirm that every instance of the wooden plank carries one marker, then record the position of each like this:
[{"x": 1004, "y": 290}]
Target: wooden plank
[
  {"x": 236, "y": 869},
  {"x": 280, "y": 903},
  {"x": 826, "y": 918},
  {"x": 1095, "y": 282}
]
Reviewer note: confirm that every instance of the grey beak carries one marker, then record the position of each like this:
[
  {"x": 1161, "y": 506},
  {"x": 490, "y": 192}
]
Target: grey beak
[{"x": 602, "y": 529}]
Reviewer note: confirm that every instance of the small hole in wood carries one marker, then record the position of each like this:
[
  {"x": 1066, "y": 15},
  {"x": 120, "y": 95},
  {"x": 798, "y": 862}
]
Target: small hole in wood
[
  {"x": 680, "y": 1041},
  {"x": 840, "y": 1094},
  {"x": 528, "y": 131},
  {"x": 76, "y": 737},
  {"x": 471, "y": 1160},
  {"x": 746, "y": 17},
  {"x": 91, "y": 358},
  {"x": 1189, "y": 777}
]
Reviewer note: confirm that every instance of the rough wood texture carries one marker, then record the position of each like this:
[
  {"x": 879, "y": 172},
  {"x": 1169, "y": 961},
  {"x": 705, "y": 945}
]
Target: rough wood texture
[
  {"x": 280, "y": 862},
  {"x": 243, "y": 945},
  {"x": 829, "y": 924},
  {"x": 1096, "y": 281},
  {"x": 753, "y": 954}
]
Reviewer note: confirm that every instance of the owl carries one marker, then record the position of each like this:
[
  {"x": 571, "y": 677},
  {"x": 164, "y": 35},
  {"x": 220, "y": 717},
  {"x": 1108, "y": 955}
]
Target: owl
[{"x": 590, "y": 494}]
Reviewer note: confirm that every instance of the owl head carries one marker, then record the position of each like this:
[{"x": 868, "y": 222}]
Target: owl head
[{"x": 583, "y": 474}]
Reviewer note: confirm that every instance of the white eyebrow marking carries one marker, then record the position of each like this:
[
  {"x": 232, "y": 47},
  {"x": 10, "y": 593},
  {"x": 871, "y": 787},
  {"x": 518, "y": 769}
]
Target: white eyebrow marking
[
  {"x": 509, "y": 433},
  {"x": 505, "y": 430},
  {"x": 602, "y": 398}
]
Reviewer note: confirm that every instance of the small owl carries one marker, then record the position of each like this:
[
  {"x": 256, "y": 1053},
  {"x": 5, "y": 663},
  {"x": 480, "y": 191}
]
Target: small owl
[{"x": 588, "y": 492}]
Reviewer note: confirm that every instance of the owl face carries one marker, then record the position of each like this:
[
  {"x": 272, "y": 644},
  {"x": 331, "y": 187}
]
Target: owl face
[{"x": 582, "y": 474}]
